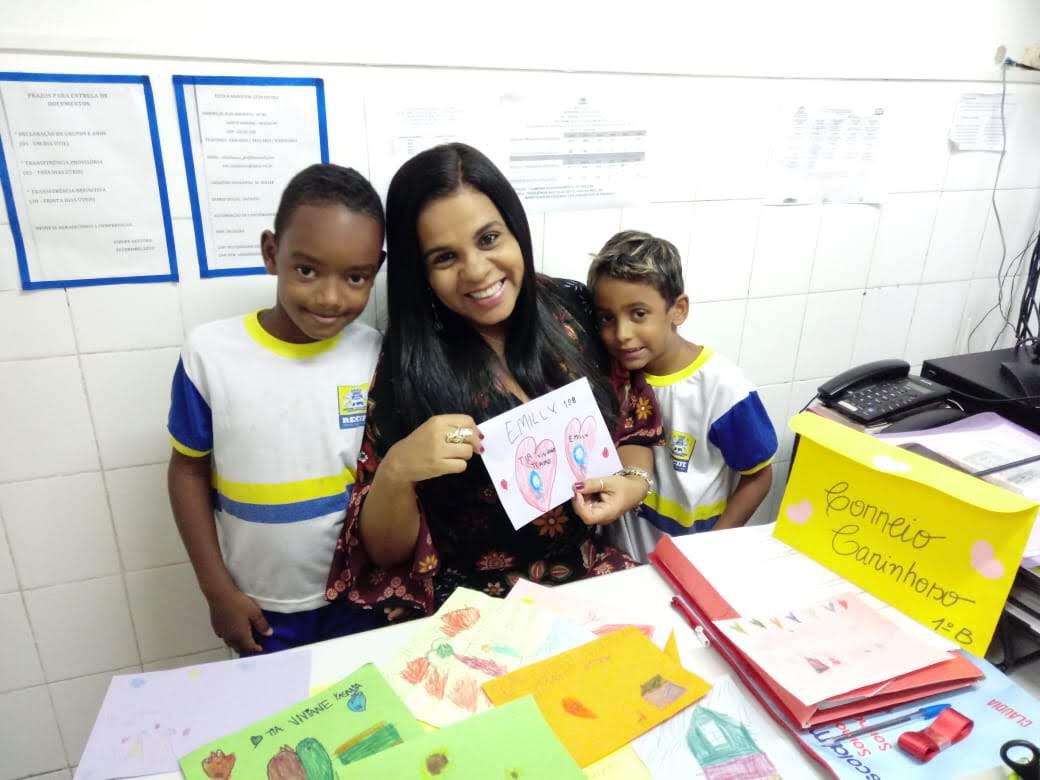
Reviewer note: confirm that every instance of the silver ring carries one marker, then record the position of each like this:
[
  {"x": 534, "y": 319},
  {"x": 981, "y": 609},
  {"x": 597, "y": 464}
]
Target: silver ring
[{"x": 458, "y": 436}]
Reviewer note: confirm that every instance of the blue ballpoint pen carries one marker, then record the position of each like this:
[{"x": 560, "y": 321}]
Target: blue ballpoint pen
[{"x": 925, "y": 713}]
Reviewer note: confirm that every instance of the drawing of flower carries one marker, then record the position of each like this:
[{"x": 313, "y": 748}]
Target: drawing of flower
[
  {"x": 494, "y": 561},
  {"x": 427, "y": 564},
  {"x": 415, "y": 670},
  {"x": 643, "y": 408},
  {"x": 459, "y": 620},
  {"x": 435, "y": 683},
  {"x": 464, "y": 694},
  {"x": 551, "y": 525}
]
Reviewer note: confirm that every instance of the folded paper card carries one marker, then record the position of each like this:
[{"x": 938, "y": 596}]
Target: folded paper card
[
  {"x": 939, "y": 545},
  {"x": 317, "y": 738},
  {"x": 537, "y": 451},
  {"x": 472, "y": 638},
  {"x": 820, "y": 651},
  {"x": 507, "y": 742},
  {"x": 601, "y": 695}
]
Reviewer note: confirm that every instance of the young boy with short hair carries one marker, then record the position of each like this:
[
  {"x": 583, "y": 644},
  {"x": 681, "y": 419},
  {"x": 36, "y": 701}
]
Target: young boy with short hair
[
  {"x": 266, "y": 419},
  {"x": 718, "y": 469}
]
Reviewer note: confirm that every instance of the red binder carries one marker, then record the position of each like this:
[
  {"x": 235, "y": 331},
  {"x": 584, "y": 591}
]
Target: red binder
[{"x": 702, "y": 604}]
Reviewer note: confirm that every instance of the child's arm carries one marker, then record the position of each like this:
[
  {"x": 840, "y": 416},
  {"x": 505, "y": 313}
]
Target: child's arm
[
  {"x": 751, "y": 491},
  {"x": 233, "y": 614}
]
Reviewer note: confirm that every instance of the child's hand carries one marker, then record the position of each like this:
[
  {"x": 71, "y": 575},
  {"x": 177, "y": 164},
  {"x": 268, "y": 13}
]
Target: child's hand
[
  {"x": 429, "y": 451},
  {"x": 602, "y": 500},
  {"x": 234, "y": 617}
]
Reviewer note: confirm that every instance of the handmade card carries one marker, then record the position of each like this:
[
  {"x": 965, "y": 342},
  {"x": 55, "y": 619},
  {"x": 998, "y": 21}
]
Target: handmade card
[
  {"x": 939, "y": 545},
  {"x": 148, "y": 720},
  {"x": 591, "y": 617},
  {"x": 511, "y": 742},
  {"x": 537, "y": 451},
  {"x": 818, "y": 652},
  {"x": 603, "y": 694},
  {"x": 315, "y": 739},
  {"x": 472, "y": 638}
]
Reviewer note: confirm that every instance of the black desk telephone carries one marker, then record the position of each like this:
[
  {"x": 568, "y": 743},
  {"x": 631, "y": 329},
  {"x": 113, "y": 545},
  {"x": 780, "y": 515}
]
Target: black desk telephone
[{"x": 876, "y": 392}]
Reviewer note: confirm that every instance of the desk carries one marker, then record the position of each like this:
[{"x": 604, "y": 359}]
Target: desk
[{"x": 641, "y": 587}]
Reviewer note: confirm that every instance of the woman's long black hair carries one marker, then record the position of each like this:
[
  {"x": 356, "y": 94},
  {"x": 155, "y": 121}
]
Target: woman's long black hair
[{"x": 439, "y": 363}]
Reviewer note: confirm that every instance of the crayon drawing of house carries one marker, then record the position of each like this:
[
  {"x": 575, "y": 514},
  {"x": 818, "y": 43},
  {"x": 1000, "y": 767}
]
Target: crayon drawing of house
[{"x": 724, "y": 748}]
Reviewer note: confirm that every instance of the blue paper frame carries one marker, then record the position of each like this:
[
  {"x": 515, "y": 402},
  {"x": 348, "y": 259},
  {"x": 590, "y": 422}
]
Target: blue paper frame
[
  {"x": 160, "y": 172},
  {"x": 179, "y": 83}
]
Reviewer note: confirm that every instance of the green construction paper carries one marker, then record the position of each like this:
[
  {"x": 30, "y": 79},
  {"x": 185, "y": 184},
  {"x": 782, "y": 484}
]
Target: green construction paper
[
  {"x": 313, "y": 740},
  {"x": 511, "y": 742}
]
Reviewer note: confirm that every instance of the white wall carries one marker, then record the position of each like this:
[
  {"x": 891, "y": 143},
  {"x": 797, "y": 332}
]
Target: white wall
[{"x": 93, "y": 579}]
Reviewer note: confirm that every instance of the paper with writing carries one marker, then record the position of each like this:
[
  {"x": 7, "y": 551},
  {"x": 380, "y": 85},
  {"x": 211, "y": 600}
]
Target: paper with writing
[
  {"x": 318, "y": 737},
  {"x": 819, "y": 651},
  {"x": 977, "y": 123},
  {"x": 148, "y": 720},
  {"x": 603, "y": 694},
  {"x": 939, "y": 545},
  {"x": 537, "y": 451}
]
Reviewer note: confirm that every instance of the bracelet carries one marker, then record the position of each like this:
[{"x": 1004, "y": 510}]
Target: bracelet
[{"x": 633, "y": 471}]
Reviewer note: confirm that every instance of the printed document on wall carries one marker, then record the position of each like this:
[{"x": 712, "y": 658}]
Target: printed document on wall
[
  {"x": 83, "y": 180},
  {"x": 574, "y": 152},
  {"x": 977, "y": 125},
  {"x": 243, "y": 140},
  {"x": 825, "y": 154}
]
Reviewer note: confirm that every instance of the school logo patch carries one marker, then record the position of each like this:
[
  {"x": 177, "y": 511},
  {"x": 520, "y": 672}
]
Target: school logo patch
[
  {"x": 353, "y": 400},
  {"x": 682, "y": 450}
]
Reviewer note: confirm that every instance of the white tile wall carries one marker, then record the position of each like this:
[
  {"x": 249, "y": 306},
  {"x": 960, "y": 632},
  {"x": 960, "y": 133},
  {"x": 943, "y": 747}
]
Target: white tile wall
[
  {"x": 205, "y": 657},
  {"x": 93, "y": 576},
  {"x": 45, "y": 426},
  {"x": 60, "y": 529},
  {"x": 19, "y": 663},
  {"x": 784, "y": 250},
  {"x": 29, "y": 741},
  {"x": 170, "y": 614},
  {"x": 82, "y": 628},
  {"x": 144, "y": 521},
  {"x": 129, "y": 397}
]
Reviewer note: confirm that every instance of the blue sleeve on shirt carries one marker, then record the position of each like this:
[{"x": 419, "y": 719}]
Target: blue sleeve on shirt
[
  {"x": 191, "y": 421},
  {"x": 744, "y": 434}
]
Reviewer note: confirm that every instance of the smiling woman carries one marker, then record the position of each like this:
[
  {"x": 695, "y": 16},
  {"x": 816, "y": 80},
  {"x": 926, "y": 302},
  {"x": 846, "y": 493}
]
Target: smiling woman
[{"x": 474, "y": 331}]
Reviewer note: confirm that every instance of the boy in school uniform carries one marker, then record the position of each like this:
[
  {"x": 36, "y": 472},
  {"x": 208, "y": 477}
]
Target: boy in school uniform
[
  {"x": 266, "y": 420},
  {"x": 717, "y": 470}
]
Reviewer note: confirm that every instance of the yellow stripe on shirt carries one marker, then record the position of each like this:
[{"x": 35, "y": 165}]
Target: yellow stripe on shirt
[
  {"x": 184, "y": 449},
  {"x": 759, "y": 467},
  {"x": 680, "y": 514},
  {"x": 283, "y": 492}
]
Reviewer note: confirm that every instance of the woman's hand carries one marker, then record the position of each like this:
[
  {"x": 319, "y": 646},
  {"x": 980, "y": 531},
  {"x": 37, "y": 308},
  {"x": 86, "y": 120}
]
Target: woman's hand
[
  {"x": 428, "y": 452},
  {"x": 602, "y": 500}
]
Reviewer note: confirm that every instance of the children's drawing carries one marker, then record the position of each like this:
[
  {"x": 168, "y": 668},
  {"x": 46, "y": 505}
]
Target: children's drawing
[
  {"x": 580, "y": 440},
  {"x": 473, "y": 638},
  {"x": 825, "y": 650},
  {"x": 660, "y": 692},
  {"x": 574, "y": 707},
  {"x": 724, "y": 748},
  {"x": 524, "y": 449},
  {"x": 536, "y": 472},
  {"x": 354, "y": 719},
  {"x": 435, "y": 763}
]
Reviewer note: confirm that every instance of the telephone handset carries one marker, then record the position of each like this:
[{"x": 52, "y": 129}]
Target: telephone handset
[{"x": 874, "y": 392}]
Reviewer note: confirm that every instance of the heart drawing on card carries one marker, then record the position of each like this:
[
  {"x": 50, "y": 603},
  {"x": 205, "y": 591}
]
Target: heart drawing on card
[
  {"x": 580, "y": 438},
  {"x": 985, "y": 562},
  {"x": 799, "y": 513},
  {"x": 536, "y": 472}
]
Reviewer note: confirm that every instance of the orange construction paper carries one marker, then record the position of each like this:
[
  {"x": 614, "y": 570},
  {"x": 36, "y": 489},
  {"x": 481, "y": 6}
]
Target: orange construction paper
[{"x": 603, "y": 694}]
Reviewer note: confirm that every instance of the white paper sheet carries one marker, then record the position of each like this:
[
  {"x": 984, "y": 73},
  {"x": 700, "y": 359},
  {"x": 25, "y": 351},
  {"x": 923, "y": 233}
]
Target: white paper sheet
[
  {"x": 825, "y": 154},
  {"x": 84, "y": 179},
  {"x": 248, "y": 142},
  {"x": 977, "y": 126},
  {"x": 537, "y": 451}
]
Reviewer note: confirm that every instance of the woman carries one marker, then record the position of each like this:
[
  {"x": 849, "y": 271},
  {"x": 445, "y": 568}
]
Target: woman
[{"x": 474, "y": 331}]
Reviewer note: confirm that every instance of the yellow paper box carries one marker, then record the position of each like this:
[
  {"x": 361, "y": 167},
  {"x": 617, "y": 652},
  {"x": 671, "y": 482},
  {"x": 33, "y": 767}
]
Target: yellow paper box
[{"x": 939, "y": 545}]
